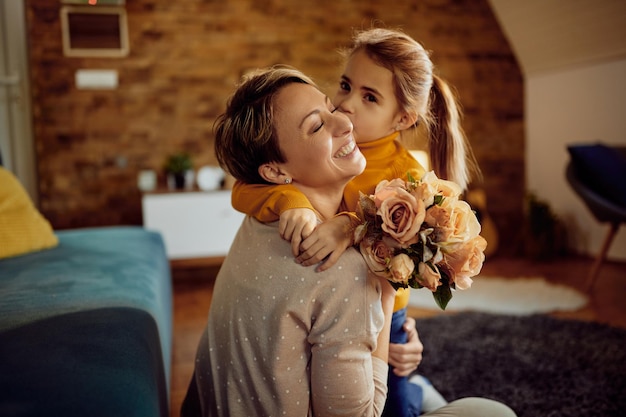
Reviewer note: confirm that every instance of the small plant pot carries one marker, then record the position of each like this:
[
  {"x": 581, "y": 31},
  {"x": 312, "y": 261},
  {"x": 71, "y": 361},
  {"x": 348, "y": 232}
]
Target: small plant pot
[{"x": 180, "y": 180}]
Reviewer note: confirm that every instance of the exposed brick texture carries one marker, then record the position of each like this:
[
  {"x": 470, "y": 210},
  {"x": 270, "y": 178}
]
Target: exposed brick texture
[{"x": 185, "y": 58}]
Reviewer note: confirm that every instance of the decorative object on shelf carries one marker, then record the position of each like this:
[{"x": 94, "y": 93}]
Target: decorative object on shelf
[
  {"x": 210, "y": 178},
  {"x": 179, "y": 170},
  {"x": 147, "y": 180}
]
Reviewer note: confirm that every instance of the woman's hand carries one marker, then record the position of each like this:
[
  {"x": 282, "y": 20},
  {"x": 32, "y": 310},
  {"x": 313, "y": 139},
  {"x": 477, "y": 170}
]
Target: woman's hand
[
  {"x": 406, "y": 357},
  {"x": 295, "y": 225},
  {"x": 329, "y": 240}
]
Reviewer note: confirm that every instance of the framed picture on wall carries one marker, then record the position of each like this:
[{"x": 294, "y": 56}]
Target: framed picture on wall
[{"x": 94, "y": 31}]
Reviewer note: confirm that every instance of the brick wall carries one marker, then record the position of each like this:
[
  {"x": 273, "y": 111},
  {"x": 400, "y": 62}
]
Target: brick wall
[{"x": 185, "y": 57}]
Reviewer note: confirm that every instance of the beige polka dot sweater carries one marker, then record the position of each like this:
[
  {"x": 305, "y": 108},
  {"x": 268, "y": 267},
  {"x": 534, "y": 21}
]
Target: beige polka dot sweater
[{"x": 284, "y": 340}]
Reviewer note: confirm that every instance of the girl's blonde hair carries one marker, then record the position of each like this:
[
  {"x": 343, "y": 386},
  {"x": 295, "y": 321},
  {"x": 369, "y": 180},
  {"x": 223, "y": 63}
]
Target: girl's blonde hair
[{"x": 418, "y": 90}]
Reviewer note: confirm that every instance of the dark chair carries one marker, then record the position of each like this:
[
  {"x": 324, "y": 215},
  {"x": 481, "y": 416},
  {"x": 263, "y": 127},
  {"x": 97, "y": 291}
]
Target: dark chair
[{"x": 597, "y": 173}]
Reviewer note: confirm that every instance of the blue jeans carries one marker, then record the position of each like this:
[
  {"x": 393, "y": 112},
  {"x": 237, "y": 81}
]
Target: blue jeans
[{"x": 403, "y": 399}]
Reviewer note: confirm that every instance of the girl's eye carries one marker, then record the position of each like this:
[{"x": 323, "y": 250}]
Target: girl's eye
[
  {"x": 344, "y": 86},
  {"x": 371, "y": 98}
]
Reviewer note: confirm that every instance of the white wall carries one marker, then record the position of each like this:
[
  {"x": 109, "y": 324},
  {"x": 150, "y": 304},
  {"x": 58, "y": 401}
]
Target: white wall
[
  {"x": 576, "y": 105},
  {"x": 16, "y": 138}
]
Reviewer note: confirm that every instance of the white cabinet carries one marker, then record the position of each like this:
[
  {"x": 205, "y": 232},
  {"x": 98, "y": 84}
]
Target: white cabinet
[{"x": 193, "y": 224}]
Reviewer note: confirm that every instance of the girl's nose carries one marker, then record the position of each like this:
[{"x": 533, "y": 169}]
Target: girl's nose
[{"x": 344, "y": 104}]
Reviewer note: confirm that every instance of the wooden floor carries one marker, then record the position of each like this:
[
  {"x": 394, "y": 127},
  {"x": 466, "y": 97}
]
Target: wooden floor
[{"x": 192, "y": 297}]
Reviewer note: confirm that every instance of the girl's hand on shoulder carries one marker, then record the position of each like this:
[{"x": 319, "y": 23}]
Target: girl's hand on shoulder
[
  {"x": 328, "y": 241},
  {"x": 295, "y": 225}
]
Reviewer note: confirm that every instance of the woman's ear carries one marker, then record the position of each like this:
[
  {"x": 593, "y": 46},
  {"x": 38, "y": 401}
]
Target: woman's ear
[
  {"x": 272, "y": 173},
  {"x": 407, "y": 120}
]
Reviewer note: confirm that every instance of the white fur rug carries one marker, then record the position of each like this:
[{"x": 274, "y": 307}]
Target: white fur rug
[{"x": 515, "y": 296}]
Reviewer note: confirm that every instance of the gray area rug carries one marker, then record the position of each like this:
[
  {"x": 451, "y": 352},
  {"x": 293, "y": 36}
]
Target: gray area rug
[{"x": 538, "y": 365}]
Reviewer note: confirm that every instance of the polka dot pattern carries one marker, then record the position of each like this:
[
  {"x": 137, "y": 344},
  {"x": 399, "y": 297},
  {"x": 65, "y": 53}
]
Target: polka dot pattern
[{"x": 283, "y": 339}]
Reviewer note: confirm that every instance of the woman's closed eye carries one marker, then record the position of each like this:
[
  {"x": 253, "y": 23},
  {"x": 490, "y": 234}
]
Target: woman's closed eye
[
  {"x": 332, "y": 109},
  {"x": 318, "y": 128}
]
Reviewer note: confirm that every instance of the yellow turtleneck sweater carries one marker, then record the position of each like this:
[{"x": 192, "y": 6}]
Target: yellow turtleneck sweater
[{"x": 386, "y": 159}]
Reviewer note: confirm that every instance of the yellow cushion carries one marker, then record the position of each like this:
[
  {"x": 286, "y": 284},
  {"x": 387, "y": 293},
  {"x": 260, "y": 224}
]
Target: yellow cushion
[{"x": 22, "y": 228}]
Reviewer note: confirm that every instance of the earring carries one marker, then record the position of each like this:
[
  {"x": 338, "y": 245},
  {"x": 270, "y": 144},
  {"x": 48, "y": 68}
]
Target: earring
[{"x": 287, "y": 180}]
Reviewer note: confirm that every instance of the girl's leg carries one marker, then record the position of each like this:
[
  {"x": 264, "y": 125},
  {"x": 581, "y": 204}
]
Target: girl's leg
[
  {"x": 403, "y": 399},
  {"x": 431, "y": 398},
  {"x": 473, "y": 407}
]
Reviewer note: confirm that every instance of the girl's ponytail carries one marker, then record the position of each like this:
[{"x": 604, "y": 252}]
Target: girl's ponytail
[{"x": 450, "y": 154}]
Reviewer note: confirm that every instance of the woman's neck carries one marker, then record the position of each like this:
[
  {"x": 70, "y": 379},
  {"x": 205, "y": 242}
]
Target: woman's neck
[{"x": 325, "y": 201}]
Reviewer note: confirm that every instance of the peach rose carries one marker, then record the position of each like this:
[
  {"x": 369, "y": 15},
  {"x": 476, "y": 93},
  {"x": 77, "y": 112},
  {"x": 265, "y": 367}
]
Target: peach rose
[
  {"x": 376, "y": 254},
  {"x": 402, "y": 214},
  {"x": 429, "y": 277},
  {"x": 401, "y": 267},
  {"x": 438, "y": 217},
  {"x": 463, "y": 282},
  {"x": 465, "y": 261},
  {"x": 446, "y": 188},
  {"x": 386, "y": 189},
  {"x": 463, "y": 222},
  {"x": 425, "y": 193}
]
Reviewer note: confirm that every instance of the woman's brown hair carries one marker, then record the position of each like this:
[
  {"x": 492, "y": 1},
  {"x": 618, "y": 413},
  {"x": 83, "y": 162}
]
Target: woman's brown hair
[{"x": 244, "y": 134}]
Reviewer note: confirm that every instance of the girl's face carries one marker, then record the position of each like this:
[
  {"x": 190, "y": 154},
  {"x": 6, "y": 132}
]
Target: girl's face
[
  {"x": 366, "y": 95},
  {"x": 317, "y": 141}
]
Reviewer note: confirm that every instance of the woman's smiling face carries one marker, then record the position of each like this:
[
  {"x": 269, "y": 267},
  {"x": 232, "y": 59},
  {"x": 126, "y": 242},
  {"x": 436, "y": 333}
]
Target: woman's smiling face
[
  {"x": 317, "y": 141},
  {"x": 366, "y": 95}
]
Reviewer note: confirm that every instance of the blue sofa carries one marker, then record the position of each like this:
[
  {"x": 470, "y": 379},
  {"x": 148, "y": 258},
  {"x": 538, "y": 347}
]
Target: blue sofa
[{"x": 86, "y": 326}]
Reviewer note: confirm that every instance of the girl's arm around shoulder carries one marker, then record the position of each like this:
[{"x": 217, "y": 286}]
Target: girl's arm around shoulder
[
  {"x": 328, "y": 241},
  {"x": 266, "y": 202}
]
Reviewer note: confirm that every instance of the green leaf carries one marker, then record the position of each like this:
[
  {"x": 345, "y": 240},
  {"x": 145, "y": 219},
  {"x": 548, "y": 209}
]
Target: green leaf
[
  {"x": 443, "y": 295},
  {"x": 397, "y": 285},
  {"x": 178, "y": 163}
]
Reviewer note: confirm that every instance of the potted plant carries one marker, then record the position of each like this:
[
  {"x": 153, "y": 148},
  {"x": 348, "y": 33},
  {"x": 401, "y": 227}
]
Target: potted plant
[{"x": 178, "y": 167}]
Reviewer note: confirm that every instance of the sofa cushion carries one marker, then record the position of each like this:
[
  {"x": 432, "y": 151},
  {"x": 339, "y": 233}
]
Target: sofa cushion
[
  {"x": 22, "y": 228},
  {"x": 602, "y": 168}
]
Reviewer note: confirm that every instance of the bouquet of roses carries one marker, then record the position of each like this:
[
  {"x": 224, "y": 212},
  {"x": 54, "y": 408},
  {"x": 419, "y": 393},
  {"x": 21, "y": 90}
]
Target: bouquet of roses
[{"x": 419, "y": 233}]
